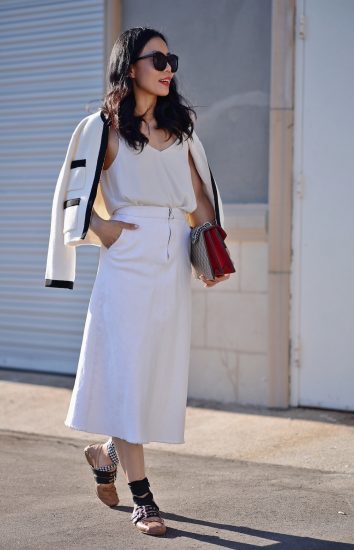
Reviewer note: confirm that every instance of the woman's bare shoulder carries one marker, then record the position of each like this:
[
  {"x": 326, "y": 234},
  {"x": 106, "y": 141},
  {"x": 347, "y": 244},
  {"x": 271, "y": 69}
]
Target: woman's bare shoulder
[{"x": 112, "y": 148}]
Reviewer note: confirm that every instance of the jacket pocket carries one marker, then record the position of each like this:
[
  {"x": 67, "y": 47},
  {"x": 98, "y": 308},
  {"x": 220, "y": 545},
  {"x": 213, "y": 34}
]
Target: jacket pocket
[
  {"x": 71, "y": 210},
  {"x": 77, "y": 178}
]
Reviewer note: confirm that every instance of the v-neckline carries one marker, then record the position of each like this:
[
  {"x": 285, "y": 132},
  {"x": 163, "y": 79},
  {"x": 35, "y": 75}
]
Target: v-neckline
[
  {"x": 162, "y": 150},
  {"x": 122, "y": 140}
]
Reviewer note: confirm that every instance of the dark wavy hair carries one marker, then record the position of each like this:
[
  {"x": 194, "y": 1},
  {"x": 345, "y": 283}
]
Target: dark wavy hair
[{"x": 172, "y": 112}]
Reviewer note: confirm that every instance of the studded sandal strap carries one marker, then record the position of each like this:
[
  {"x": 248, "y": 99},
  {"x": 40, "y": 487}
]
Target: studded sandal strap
[
  {"x": 145, "y": 511},
  {"x": 104, "y": 477}
]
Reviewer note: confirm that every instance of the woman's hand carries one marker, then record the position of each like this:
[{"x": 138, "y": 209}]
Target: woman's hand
[
  {"x": 213, "y": 282},
  {"x": 111, "y": 230},
  {"x": 108, "y": 231}
]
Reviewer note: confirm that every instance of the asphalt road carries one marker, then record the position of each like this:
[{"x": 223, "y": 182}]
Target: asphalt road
[
  {"x": 246, "y": 477},
  {"x": 48, "y": 501}
]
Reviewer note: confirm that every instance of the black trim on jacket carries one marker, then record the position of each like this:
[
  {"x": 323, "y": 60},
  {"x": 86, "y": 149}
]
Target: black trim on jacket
[
  {"x": 96, "y": 179},
  {"x": 78, "y": 162},
  {"x": 71, "y": 202},
  {"x": 215, "y": 195},
  {"x": 59, "y": 283}
]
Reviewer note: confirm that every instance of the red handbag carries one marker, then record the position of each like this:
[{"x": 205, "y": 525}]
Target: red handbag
[{"x": 208, "y": 251}]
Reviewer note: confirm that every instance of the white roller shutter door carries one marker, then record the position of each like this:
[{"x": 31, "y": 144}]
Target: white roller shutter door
[{"x": 52, "y": 66}]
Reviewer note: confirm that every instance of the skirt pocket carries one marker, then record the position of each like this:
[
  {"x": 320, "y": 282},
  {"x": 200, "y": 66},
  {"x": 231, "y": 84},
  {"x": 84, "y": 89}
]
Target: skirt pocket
[{"x": 118, "y": 239}]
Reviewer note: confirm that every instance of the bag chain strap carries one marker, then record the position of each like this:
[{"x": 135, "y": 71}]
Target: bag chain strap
[{"x": 196, "y": 231}]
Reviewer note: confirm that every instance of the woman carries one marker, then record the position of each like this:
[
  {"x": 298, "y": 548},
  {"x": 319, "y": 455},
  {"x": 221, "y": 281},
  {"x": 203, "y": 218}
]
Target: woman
[{"x": 132, "y": 377}]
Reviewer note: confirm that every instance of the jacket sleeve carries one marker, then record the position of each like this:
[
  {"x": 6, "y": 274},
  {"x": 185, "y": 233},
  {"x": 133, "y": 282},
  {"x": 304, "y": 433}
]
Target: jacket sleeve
[
  {"x": 202, "y": 165},
  {"x": 61, "y": 259}
]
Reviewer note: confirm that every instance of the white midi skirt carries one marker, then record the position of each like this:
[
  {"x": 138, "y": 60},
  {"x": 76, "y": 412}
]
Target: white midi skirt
[{"x": 132, "y": 374}]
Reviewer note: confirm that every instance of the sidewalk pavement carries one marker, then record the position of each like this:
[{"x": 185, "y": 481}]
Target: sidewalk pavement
[{"x": 245, "y": 478}]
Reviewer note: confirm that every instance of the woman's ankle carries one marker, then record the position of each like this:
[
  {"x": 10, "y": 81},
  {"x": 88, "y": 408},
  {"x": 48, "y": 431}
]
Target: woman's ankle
[{"x": 141, "y": 492}]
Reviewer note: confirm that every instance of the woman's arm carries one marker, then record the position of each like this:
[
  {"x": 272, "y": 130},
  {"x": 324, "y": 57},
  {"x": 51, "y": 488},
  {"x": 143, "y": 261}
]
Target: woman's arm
[
  {"x": 95, "y": 222},
  {"x": 203, "y": 213},
  {"x": 106, "y": 229}
]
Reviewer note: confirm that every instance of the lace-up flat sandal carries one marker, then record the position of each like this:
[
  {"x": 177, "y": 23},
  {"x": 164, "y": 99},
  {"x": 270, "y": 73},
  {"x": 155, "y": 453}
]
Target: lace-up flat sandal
[
  {"x": 105, "y": 476},
  {"x": 141, "y": 519}
]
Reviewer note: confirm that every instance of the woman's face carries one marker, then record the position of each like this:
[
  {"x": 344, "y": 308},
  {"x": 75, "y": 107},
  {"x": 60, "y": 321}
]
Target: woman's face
[{"x": 144, "y": 74}]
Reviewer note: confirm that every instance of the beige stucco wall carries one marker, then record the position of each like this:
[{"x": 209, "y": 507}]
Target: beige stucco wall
[
  {"x": 229, "y": 355},
  {"x": 241, "y": 339}
]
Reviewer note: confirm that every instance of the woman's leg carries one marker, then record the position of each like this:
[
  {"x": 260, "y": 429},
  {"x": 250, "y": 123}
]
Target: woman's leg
[{"x": 131, "y": 457}]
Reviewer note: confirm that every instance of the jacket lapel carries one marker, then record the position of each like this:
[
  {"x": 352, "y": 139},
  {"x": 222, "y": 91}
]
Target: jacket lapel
[{"x": 97, "y": 174}]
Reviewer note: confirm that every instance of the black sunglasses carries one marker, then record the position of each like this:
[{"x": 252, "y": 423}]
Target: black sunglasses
[{"x": 160, "y": 60}]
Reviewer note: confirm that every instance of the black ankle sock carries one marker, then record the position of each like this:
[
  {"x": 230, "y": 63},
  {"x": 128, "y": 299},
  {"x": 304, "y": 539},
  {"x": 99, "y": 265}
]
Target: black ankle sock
[{"x": 140, "y": 487}]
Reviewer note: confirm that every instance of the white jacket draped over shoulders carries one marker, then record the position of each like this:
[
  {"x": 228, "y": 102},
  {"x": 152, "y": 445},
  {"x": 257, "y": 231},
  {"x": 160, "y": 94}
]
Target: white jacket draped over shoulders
[{"x": 78, "y": 191}]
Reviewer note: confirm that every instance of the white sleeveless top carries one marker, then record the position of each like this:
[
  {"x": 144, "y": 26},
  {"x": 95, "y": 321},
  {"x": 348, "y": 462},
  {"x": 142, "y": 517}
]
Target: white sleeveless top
[{"x": 152, "y": 177}]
